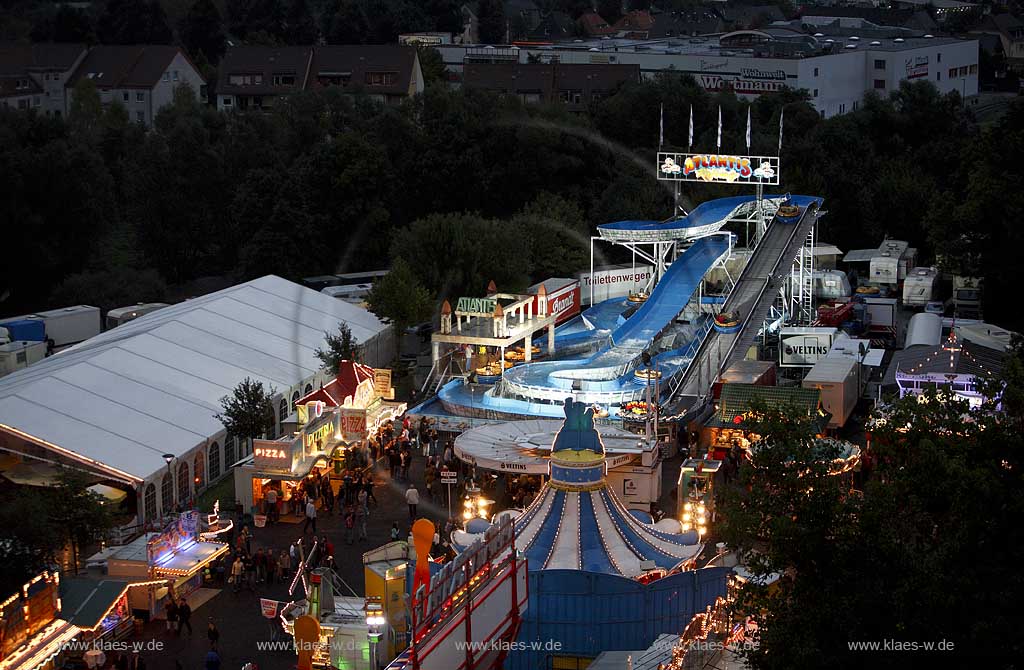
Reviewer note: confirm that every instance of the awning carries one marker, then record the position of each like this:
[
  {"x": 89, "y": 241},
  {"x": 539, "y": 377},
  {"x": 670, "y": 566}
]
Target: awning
[
  {"x": 190, "y": 558},
  {"x": 85, "y": 602},
  {"x": 108, "y": 493}
]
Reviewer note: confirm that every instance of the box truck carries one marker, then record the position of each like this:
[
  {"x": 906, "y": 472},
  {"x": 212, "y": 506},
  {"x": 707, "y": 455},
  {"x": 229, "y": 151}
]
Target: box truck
[
  {"x": 880, "y": 314},
  {"x": 18, "y": 354},
  {"x": 66, "y": 326},
  {"x": 837, "y": 378}
]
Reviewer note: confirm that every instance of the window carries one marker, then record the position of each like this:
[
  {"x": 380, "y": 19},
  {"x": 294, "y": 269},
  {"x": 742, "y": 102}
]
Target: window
[
  {"x": 597, "y": 96},
  {"x": 821, "y": 113},
  {"x": 174, "y": 75},
  {"x": 23, "y": 104},
  {"x": 938, "y": 58},
  {"x": 952, "y": 73},
  {"x": 150, "y": 502},
  {"x": 815, "y": 93},
  {"x": 227, "y": 101},
  {"x": 213, "y": 457},
  {"x": 199, "y": 470},
  {"x": 166, "y": 494},
  {"x": 140, "y": 96},
  {"x": 184, "y": 484},
  {"x": 282, "y": 411},
  {"x": 963, "y": 71},
  {"x": 938, "y": 76},
  {"x": 35, "y": 101},
  {"x": 879, "y": 64},
  {"x": 842, "y": 108},
  {"x": 140, "y": 116},
  {"x": 167, "y": 77},
  {"x": 21, "y": 357},
  {"x": 283, "y": 80},
  {"x": 381, "y": 78},
  {"x": 973, "y": 69},
  {"x": 815, "y": 72},
  {"x": 855, "y": 105},
  {"x": 124, "y": 96},
  {"x": 309, "y": 389},
  {"x": 295, "y": 398},
  {"x": 879, "y": 83},
  {"x": 229, "y": 452}
]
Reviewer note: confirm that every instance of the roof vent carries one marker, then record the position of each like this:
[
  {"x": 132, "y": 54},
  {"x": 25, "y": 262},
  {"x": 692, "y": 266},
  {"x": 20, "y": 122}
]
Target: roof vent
[
  {"x": 929, "y": 36},
  {"x": 851, "y": 46},
  {"x": 819, "y": 34},
  {"x": 855, "y": 38},
  {"x": 875, "y": 43},
  {"x": 898, "y": 40},
  {"x": 830, "y": 41}
]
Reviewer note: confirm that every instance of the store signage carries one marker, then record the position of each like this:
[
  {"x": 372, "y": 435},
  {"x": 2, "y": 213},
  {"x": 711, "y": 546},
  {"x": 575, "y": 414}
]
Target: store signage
[
  {"x": 27, "y": 612},
  {"x": 449, "y": 477},
  {"x": 316, "y": 434},
  {"x": 719, "y": 168},
  {"x": 268, "y": 607},
  {"x": 272, "y": 455},
  {"x": 741, "y": 85},
  {"x": 476, "y": 306},
  {"x": 630, "y": 488},
  {"x": 353, "y": 424},
  {"x": 177, "y": 532},
  {"x": 805, "y": 349},
  {"x": 916, "y": 67},
  {"x": 382, "y": 384},
  {"x": 310, "y": 411}
]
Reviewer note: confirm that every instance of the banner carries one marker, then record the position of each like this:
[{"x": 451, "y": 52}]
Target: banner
[
  {"x": 269, "y": 608},
  {"x": 353, "y": 424},
  {"x": 719, "y": 168}
]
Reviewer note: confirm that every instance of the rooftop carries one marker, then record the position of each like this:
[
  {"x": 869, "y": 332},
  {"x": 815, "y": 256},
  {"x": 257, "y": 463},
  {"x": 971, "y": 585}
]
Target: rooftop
[
  {"x": 116, "y": 66},
  {"x": 18, "y": 59}
]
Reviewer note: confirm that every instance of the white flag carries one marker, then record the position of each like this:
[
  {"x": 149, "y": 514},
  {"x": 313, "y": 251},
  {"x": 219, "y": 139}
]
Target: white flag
[
  {"x": 781, "y": 115},
  {"x": 661, "y": 126},
  {"x": 689, "y": 141},
  {"x": 719, "y": 143},
  {"x": 748, "y": 130}
]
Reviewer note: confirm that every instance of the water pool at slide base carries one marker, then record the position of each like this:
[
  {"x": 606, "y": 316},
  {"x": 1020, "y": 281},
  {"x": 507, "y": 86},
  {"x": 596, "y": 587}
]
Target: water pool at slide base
[{"x": 607, "y": 377}]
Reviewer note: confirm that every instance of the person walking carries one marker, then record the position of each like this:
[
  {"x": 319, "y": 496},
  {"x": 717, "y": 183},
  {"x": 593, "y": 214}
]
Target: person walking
[
  {"x": 212, "y": 661},
  {"x": 284, "y": 565},
  {"x": 406, "y": 462},
  {"x": 412, "y": 498},
  {"x": 327, "y": 552},
  {"x": 394, "y": 531},
  {"x": 237, "y": 570},
  {"x": 327, "y": 491},
  {"x": 429, "y": 474},
  {"x": 361, "y": 514},
  {"x": 171, "y": 612},
  {"x": 270, "y": 500},
  {"x": 184, "y": 617},
  {"x": 368, "y": 487},
  {"x": 260, "y": 559},
  {"x": 212, "y": 634},
  {"x": 310, "y": 517},
  {"x": 250, "y": 572},
  {"x": 350, "y": 524}
]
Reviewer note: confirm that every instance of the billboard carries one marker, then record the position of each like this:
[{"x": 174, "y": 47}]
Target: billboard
[
  {"x": 803, "y": 347},
  {"x": 615, "y": 282},
  {"x": 718, "y": 168},
  {"x": 916, "y": 67},
  {"x": 563, "y": 302}
]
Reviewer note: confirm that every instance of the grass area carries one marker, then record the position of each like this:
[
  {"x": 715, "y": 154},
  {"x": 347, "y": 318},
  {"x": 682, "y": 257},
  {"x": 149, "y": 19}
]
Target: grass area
[{"x": 223, "y": 490}]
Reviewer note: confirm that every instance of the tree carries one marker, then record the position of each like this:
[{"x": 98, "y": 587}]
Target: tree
[
  {"x": 202, "y": 32},
  {"x": 348, "y": 24},
  {"x": 299, "y": 27},
  {"x": 558, "y": 237},
  {"x": 73, "y": 25},
  {"x": 400, "y": 298},
  {"x": 85, "y": 111},
  {"x": 490, "y": 16},
  {"x": 432, "y": 64},
  {"x": 249, "y": 411},
  {"x": 133, "y": 22},
  {"x": 944, "y": 498},
  {"x": 115, "y": 286},
  {"x": 340, "y": 346},
  {"x": 610, "y": 10},
  {"x": 39, "y": 523}
]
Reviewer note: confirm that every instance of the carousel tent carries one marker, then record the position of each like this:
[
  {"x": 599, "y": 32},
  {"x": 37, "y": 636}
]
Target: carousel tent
[{"x": 578, "y": 523}]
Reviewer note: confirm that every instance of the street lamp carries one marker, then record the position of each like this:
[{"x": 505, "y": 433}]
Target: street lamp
[
  {"x": 168, "y": 458},
  {"x": 374, "y": 626}
]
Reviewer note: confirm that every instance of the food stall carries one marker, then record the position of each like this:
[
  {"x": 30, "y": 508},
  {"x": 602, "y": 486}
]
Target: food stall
[
  {"x": 731, "y": 424},
  {"x": 32, "y": 634}
]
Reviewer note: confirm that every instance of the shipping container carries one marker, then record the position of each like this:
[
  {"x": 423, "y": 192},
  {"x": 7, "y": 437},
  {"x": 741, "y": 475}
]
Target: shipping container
[
  {"x": 837, "y": 378},
  {"x": 802, "y": 347}
]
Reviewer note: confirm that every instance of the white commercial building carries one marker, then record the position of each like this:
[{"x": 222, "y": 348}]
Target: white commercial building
[
  {"x": 115, "y": 404},
  {"x": 836, "y": 69}
]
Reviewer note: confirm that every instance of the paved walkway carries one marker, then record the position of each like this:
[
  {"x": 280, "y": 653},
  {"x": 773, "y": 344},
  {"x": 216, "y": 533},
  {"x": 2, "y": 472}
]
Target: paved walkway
[{"x": 237, "y": 615}]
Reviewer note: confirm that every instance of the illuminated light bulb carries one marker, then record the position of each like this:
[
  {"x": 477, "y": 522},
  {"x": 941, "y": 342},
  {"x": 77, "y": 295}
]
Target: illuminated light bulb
[
  {"x": 688, "y": 507},
  {"x": 686, "y": 516}
]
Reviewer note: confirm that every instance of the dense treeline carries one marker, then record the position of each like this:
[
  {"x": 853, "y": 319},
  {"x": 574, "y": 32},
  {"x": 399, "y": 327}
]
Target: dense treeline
[{"x": 464, "y": 185}]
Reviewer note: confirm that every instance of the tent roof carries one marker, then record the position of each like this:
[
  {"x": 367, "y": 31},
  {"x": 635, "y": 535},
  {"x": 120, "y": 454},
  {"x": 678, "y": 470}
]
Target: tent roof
[{"x": 153, "y": 385}]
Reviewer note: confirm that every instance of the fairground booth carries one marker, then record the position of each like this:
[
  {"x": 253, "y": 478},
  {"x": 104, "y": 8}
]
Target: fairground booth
[
  {"x": 174, "y": 562},
  {"x": 329, "y": 431},
  {"x": 32, "y": 632},
  {"x": 730, "y": 426}
]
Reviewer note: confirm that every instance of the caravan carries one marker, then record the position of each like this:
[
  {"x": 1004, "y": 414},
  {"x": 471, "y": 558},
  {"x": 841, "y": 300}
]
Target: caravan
[{"x": 919, "y": 287}]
